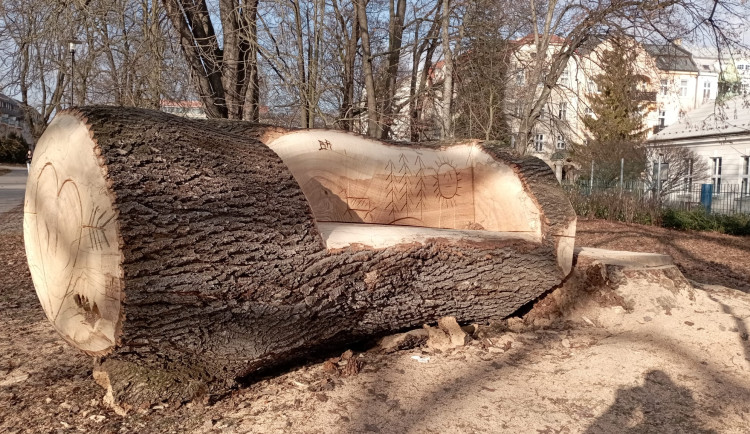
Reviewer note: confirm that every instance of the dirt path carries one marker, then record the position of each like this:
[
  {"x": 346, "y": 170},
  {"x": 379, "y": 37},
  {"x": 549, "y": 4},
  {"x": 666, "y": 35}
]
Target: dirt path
[{"x": 673, "y": 359}]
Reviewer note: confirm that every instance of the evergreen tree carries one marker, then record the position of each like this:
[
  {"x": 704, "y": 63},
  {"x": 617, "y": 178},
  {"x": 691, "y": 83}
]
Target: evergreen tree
[
  {"x": 616, "y": 127},
  {"x": 481, "y": 73}
]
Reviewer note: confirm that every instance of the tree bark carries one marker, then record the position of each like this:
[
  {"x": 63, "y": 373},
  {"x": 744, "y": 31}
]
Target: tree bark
[
  {"x": 373, "y": 124},
  {"x": 395, "y": 42},
  {"x": 347, "y": 54},
  {"x": 186, "y": 254},
  {"x": 446, "y": 118}
]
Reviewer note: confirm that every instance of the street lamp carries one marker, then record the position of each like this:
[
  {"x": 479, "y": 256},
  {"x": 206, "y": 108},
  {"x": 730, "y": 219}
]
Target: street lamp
[{"x": 72, "y": 48}]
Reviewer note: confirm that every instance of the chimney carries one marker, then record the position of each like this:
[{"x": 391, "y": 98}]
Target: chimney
[{"x": 678, "y": 42}]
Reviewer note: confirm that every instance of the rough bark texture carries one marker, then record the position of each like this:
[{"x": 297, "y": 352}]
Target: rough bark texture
[{"x": 225, "y": 272}]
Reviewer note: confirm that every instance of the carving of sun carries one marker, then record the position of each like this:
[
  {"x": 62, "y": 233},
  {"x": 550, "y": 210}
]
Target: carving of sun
[{"x": 446, "y": 183}]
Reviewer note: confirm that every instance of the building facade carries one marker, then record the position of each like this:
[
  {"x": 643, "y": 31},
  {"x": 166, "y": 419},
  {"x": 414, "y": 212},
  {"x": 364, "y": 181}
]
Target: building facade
[
  {"x": 12, "y": 120},
  {"x": 718, "y": 134}
]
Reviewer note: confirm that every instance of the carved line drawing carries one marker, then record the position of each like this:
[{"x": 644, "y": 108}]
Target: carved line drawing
[
  {"x": 447, "y": 180},
  {"x": 53, "y": 274},
  {"x": 97, "y": 228},
  {"x": 325, "y": 145},
  {"x": 411, "y": 187},
  {"x": 355, "y": 205},
  {"x": 399, "y": 189},
  {"x": 420, "y": 186}
]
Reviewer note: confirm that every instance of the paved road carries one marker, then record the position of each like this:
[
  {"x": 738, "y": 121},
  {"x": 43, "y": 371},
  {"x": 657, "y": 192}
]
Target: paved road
[{"x": 12, "y": 188}]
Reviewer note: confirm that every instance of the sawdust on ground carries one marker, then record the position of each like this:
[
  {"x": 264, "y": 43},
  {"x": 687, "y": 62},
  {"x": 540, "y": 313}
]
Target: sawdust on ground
[{"x": 669, "y": 357}]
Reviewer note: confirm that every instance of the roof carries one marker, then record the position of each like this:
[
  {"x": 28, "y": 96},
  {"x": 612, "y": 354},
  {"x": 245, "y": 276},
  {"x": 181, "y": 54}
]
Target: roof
[
  {"x": 529, "y": 39},
  {"x": 710, "y": 119},
  {"x": 181, "y": 104},
  {"x": 671, "y": 57}
]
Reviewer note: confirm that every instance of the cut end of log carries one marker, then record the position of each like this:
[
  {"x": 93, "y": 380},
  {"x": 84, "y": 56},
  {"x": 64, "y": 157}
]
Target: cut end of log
[{"x": 72, "y": 238}]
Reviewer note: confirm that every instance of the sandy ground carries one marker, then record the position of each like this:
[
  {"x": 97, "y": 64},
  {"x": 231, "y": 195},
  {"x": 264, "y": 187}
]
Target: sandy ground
[{"x": 657, "y": 354}]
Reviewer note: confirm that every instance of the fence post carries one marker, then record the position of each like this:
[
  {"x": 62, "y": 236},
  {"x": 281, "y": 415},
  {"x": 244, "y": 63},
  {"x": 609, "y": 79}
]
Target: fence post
[
  {"x": 622, "y": 169},
  {"x": 706, "y": 194},
  {"x": 591, "y": 181},
  {"x": 658, "y": 180}
]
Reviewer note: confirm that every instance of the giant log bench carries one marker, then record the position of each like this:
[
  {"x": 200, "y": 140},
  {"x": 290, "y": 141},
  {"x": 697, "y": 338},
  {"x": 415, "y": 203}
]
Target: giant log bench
[{"x": 185, "y": 254}]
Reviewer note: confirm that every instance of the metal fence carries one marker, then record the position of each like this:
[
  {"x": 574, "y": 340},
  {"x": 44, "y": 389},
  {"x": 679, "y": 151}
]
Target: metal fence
[{"x": 730, "y": 199}]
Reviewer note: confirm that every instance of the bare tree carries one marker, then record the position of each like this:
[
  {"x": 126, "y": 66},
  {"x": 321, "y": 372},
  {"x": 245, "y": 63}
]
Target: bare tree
[
  {"x": 680, "y": 169},
  {"x": 348, "y": 34},
  {"x": 226, "y": 73},
  {"x": 447, "y": 96},
  {"x": 373, "y": 127},
  {"x": 35, "y": 58},
  {"x": 422, "y": 55}
]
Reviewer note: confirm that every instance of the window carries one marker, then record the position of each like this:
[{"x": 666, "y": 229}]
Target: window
[
  {"x": 716, "y": 174},
  {"x": 746, "y": 176},
  {"x": 588, "y": 111},
  {"x": 745, "y": 88},
  {"x": 661, "y": 174},
  {"x": 539, "y": 142},
  {"x": 560, "y": 142},
  {"x": 740, "y": 67},
  {"x": 683, "y": 87},
  {"x": 706, "y": 91},
  {"x": 564, "y": 77},
  {"x": 519, "y": 77},
  {"x": 561, "y": 114},
  {"x": 662, "y": 118},
  {"x": 591, "y": 86},
  {"x": 688, "y": 178},
  {"x": 664, "y": 86},
  {"x": 541, "y": 113}
]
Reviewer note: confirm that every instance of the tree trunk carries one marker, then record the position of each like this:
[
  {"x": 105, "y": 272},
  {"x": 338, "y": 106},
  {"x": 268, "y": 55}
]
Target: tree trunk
[
  {"x": 395, "y": 42},
  {"x": 186, "y": 254},
  {"x": 373, "y": 124},
  {"x": 347, "y": 56},
  {"x": 446, "y": 118}
]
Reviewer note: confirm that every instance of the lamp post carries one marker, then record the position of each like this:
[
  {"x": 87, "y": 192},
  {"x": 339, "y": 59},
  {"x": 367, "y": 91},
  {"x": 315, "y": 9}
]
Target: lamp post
[{"x": 72, "y": 48}]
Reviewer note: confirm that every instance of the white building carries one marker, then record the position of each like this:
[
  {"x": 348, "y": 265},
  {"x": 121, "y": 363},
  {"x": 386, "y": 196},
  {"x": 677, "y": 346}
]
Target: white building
[
  {"x": 720, "y": 135},
  {"x": 679, "y": 83},
  {"x": 186, "y": 109},
  {"x": 676, "y": 84}
]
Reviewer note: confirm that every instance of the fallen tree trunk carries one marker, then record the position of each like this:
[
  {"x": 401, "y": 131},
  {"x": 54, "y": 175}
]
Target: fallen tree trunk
[{"x": 185, "y": 254}]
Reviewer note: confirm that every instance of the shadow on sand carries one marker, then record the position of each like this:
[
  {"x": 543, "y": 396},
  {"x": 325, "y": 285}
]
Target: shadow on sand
[{"x": 658, "y": 406}]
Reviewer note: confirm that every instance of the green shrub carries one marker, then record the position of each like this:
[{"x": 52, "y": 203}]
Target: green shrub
[
  {"x": 699, "y": 220},
  {"x": 635, "y": 207},
  {"x": 13, "y": 149}
]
